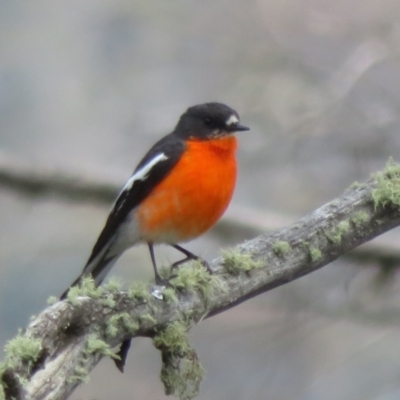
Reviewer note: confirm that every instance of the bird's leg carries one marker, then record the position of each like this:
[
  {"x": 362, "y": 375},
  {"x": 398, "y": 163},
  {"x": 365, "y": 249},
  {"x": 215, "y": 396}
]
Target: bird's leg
[
  {"x": 189, "y": 256},
  {"x": 159, "y": 281}
]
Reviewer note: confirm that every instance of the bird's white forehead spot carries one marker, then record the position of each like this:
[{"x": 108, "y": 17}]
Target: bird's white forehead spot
[{"x": 233, "y": 119}]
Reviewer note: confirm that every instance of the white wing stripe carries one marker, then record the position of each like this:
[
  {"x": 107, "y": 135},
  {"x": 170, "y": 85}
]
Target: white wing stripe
[
  {"x": 140, "y": 175},
  {"x": 143, "y": 172}
]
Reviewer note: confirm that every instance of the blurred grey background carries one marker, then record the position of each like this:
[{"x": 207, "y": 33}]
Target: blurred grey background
[{"x": 88, "y": 86}]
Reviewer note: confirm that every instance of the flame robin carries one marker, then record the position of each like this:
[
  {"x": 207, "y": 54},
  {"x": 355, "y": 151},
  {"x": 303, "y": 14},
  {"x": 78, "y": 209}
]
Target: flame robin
[{"x": 178, "y": 191}]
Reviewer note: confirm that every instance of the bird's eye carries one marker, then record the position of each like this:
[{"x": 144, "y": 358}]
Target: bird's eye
[{"x": 208, "y": 121}]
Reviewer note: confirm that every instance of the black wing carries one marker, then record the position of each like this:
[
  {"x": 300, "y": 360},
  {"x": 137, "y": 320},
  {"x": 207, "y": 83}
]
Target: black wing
[{"x": 172, "y": 147}]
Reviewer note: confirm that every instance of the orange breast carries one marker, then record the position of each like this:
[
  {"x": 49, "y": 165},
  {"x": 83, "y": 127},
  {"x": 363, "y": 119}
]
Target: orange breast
[{"x": 192, "y": 198}]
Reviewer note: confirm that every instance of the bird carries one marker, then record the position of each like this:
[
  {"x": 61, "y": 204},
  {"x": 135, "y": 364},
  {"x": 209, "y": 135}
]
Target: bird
[{"x": 178, "y": 191}]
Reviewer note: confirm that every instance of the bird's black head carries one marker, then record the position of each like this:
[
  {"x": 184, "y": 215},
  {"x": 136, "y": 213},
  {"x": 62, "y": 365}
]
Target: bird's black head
[{"x": 208, "y": 120}]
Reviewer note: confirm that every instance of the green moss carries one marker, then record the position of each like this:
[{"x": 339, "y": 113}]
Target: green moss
[
  {"x": 87, "y": 288},
  {"x": 130, "y": 324},
  {"x": 170, "y": 296},
  {"x": 235, "y": 262},
  {"x": 173, "y": 338},
  {"x": 148, "y": 318},
  {"x": 2, "y": 395},
  {"x": 22, "y": 350},
  {"x": 181, "y": 370},
  {"x": 114, "y": 284},
  {"x": 336, "y": 233},
  {"x": 360, "y": 218},
  {"x": 108, "y": 300},
  {"x": 80, "y": 375},
  {"x": 52, "y": 300},
  {"x": 182, "y": 377},
  {"x": 96, "y": 345},
  {"x": 139, "y": 291},
  {"x": 123, "y": 318},
  {"x": 173, "y": 381},
  {"x": 107, "y": 291},
  {"x": 281, "y": 247},
  {"x": 315, "y": 254},
  {"x": 195, "y": 277},
  {"x": 112, "y": 326},
  {"x": 387, "y": 190}
]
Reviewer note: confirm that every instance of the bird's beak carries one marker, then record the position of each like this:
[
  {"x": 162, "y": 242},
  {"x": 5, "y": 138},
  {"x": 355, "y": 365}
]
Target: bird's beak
[{"x": 239, "y": 128}]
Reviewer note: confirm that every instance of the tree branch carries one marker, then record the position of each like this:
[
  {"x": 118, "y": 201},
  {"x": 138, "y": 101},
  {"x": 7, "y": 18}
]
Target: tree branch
[{"x": 65, "y": 334}]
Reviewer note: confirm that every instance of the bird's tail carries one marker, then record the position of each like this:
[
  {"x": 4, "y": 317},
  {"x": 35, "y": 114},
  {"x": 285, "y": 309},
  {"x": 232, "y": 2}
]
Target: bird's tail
[{"x": 98, "y": 268}]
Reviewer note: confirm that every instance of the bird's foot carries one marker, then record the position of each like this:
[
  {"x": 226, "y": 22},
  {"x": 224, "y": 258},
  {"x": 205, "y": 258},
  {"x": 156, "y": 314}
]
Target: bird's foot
[
  {"x": 162, "y": 282},
  {"x": 203, "y": 262},
  {"x": 206, "y": 265}
]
